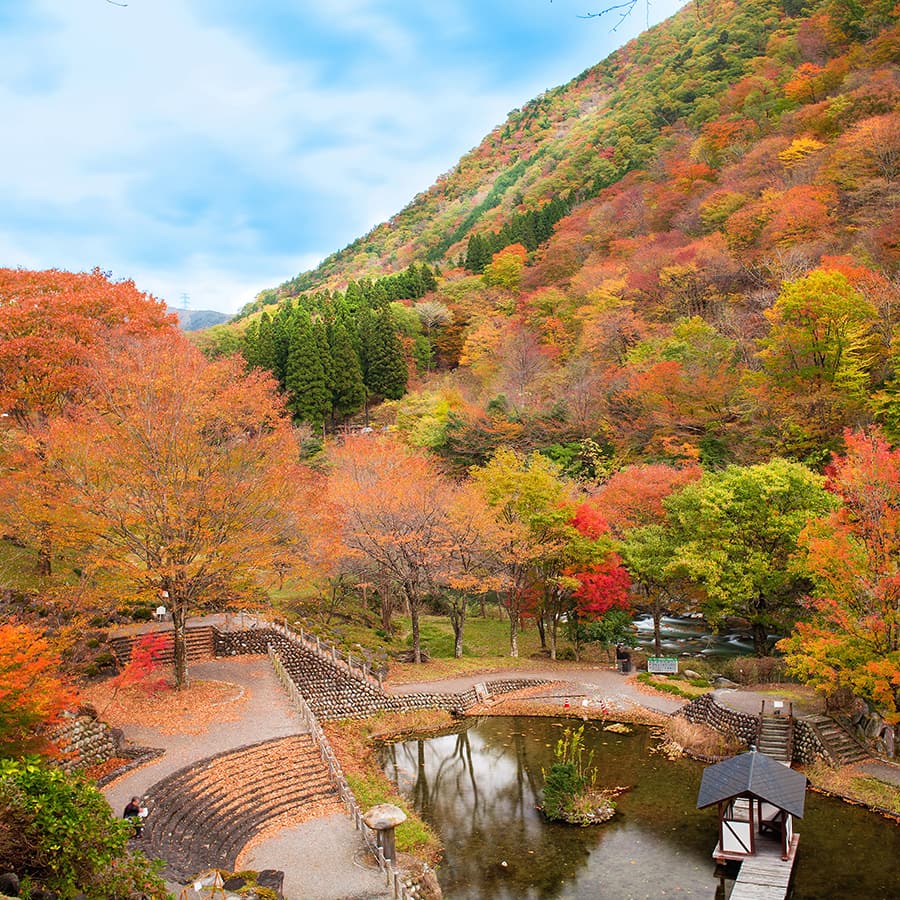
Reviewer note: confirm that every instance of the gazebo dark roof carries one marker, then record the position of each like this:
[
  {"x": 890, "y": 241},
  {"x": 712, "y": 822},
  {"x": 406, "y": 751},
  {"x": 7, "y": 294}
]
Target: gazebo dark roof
[{"x": 756, "y": 774}]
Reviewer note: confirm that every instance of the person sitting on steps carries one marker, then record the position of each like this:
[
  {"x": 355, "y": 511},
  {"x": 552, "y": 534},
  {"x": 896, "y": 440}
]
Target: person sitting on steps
[{"x": 135, "y": 813}]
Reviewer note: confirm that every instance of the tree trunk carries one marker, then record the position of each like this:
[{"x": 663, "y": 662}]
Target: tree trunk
[
  {"x": 387, "y": 607},
  {"x": 44, "y": 566},
  {"x": 483, "y": 607},
  {"x": 760, "y": 639},
  {"x": 513, "y": 631},
  {"x": 657, "y": 639},
  {"x": 179, "y": 648},
  {"x": 414, "y": 616},
  {"x": 542, "y": 631},
  {"x": 458, "y": 620}
]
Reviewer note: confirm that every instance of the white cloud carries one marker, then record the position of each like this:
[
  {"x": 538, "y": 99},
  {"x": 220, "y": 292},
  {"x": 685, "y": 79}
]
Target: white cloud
[{"x": 183, "y": 151}]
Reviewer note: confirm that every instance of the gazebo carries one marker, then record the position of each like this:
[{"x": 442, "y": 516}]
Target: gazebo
[{"x": 757, "y": 799}]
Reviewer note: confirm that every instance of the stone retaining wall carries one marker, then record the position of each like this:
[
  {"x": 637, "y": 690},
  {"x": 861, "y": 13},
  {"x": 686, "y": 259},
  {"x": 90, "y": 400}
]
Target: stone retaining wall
[
  {"x": 333, "y": 693},
  {"x": 807, "y": 746},
  {"x": 705, "y": 711},
  {"x": 85, "y": 742}
]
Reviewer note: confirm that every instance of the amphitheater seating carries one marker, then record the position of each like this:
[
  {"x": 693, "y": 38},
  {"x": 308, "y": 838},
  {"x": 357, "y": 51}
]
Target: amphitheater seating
[{"x": 203, "y": 815}]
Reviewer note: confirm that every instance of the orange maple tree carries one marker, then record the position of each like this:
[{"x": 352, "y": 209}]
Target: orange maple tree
[
  {"x": 394, "y": 505},
  {"x": 852, "y": 639},
  {"x": 180, "y": 473},
  {"x": 53, "y": 325},
  {"x": 32, "y": 691}
]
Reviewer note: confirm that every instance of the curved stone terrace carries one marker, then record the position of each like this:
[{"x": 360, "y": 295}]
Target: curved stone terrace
[{"x": 191, "y": 776}]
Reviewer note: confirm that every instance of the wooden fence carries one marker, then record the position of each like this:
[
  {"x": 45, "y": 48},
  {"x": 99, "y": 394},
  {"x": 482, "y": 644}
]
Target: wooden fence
[{"x": 357, "y": 668}]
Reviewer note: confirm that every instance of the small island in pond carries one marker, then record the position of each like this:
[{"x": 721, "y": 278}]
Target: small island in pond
[{"x": 571, "y": 794}]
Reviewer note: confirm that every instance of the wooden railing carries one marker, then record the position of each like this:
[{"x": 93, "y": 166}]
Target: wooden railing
[
  {"x": 356, "y": 668},
  {"x": 787, "y": 715},
  {"x": 392, "y": 876}
]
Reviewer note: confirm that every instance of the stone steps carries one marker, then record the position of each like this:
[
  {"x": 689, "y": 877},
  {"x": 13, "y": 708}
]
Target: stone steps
[
  {"x": 203, "y": 815},
  {"x": 840, "y": 746},
  {"x": 774, "y": 739}
]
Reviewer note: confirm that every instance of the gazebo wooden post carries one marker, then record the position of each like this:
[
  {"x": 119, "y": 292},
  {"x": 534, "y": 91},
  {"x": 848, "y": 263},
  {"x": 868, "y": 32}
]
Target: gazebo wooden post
[
  {"x": 723, "y": 808},
  {"x": 752, "y": 829}
]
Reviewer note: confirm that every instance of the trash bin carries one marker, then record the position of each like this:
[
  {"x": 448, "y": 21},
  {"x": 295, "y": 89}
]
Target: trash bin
[{"x": 623, "y": 659}]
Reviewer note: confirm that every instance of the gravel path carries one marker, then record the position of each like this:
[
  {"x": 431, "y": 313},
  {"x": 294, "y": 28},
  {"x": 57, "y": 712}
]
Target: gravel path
[
  {"x": 887, "y": 772},
  {"x": 321, "y": 849},
  {"x": 594, "y": 684},
  {"x": 314, "y": 857}
]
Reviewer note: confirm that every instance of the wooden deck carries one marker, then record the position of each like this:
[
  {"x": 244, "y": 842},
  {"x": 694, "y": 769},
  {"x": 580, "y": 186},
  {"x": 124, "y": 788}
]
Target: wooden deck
[{"x": 766, "y": 875}]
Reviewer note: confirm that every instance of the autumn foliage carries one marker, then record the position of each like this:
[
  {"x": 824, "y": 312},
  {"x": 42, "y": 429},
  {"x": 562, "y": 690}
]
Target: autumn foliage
[
  {"x": 852, "y": 639},
  {"x": 32, "y": 692},
  {"x": 178, "y": 471}
]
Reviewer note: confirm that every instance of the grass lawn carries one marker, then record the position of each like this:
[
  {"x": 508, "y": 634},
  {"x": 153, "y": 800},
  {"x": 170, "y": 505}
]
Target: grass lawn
[
  {"x": 847, "y": 781},
  {"x": 17, "y": 567}
]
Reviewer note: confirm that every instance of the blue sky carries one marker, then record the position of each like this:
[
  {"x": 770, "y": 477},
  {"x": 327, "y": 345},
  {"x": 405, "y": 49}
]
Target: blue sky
[{"x": 212, "y": 148}]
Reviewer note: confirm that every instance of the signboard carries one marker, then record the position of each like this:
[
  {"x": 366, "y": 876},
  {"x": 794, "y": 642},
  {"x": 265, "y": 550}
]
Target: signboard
[{"x": 662, "y": 665}]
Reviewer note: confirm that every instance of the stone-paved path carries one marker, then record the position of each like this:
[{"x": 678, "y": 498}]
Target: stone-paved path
[{"x": 266, "y": 714}]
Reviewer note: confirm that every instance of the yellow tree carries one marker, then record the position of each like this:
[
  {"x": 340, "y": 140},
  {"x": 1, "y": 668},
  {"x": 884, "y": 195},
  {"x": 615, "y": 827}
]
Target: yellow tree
[
  {"x": 531, "y": 510},
  {"x": 180, "y": 472},
  {"x": 818, "y": 359}
]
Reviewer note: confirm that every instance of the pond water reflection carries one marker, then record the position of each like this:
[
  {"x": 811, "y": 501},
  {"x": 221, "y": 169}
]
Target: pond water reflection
[{"x": 479, "y": 789}]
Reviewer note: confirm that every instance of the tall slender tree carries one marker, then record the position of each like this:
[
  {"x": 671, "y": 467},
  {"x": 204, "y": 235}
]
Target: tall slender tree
[
  {"x": 386, "y": 371},
  {"x": 309, "y": 397},
  {"x": 348, "y": 391}
]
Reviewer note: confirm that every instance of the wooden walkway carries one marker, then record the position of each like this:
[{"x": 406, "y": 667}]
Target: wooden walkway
[{"x": 766, "y": 875}]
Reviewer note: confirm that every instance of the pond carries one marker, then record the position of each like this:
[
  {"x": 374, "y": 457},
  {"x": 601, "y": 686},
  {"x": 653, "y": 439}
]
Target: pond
[{"x": 478, "y": 788}]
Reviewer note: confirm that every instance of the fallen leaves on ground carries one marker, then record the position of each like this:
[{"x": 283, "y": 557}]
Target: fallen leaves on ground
[
  {"x": 854, "y": 784},
  {"x": 104, "y": 768},
  {"x": 327, "y": 806},
  {"x": 188, "y": 711},
  {"x": 516, "y": 707}
]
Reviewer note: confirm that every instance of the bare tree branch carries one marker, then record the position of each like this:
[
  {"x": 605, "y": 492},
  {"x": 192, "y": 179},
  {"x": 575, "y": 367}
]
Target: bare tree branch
[{"x": 624, "y": 10}]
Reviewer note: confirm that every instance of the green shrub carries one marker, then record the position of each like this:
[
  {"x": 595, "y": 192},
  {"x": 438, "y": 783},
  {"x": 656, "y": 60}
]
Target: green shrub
[
  {"x": 142, "y": 614},
  {"x": 57, "y": 829},
  {"x": 670, "y": 687},
  {"x": 562, "y": 786}
]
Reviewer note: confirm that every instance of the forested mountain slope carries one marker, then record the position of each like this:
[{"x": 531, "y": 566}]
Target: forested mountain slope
[
  {"x": 685, "y": 252},
  {"x": 724, "y": 74}
]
